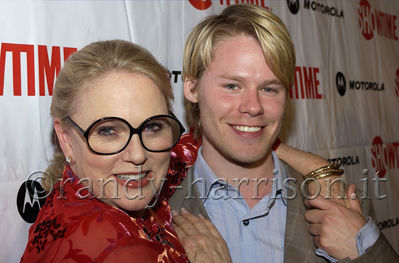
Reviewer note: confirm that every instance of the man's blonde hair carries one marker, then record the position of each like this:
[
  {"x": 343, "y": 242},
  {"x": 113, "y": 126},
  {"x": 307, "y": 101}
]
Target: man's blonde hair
[{"x": 251, "y": 20}]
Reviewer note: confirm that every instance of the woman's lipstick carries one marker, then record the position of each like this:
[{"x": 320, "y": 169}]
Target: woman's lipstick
[{"x": 134, "y": 179}]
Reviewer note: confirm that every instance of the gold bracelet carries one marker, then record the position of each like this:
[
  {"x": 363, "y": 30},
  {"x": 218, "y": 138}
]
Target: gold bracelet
[
  {"x": 322, "y": 169},
  {"x": 331, "y": 173},
  {"x": 331, "y": 168}
]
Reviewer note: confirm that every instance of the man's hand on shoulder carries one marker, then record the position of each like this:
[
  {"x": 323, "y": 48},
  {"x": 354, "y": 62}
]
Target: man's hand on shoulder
[{"x": 334, "y": 226}]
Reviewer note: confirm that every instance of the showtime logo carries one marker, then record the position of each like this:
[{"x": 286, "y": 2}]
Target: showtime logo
[
  {"x": 384, "y": 157},
  {"x": 307, "y": 83},
  {"x": 372, "y": 20},
  {"x": 47, "y": 68},
  {"x": 205, "y": 4}
]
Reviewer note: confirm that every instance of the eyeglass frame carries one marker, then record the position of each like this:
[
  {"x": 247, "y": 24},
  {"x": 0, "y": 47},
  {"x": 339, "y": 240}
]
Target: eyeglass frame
[{"x": 133, "y": 131}]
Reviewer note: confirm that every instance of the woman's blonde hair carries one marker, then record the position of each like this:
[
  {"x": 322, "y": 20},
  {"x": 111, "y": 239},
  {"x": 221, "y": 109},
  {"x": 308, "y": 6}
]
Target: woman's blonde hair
[
  {"x": 89, "y": 64},
  {"x": 251, "y": 20}
]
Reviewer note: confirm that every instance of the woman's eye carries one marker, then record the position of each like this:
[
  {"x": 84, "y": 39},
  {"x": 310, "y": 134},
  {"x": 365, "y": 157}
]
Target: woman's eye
[
  {"x": 153, "y": 127},
  {"x": 106, "y": 131}
]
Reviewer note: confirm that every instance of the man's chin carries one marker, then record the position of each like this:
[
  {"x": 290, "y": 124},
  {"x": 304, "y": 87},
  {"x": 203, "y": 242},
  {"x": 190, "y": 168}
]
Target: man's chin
[{"x": 248, "y": 159}]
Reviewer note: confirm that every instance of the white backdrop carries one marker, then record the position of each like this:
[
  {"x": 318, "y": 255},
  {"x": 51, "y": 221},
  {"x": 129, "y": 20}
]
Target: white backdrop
[{"x": 344, "y": 104}]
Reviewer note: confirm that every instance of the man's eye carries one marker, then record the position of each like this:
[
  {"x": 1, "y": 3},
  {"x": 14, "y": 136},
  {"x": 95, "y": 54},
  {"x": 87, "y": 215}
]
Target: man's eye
[
  {"x": 269, "y": 90},
  {"x": 231, "y": 86}
]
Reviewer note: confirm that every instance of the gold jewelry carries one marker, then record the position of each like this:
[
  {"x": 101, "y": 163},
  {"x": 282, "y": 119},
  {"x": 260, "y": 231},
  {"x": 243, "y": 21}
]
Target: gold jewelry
[
  {"x": 322, "y": 169},
  {"x": 325, "y": 172},
  {"x": 331, "y": 173},
  {"x": 331, "y": 169}
]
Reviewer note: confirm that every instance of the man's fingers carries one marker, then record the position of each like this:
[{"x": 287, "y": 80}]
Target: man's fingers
[
  {"x": 314, "y": 216},
  {"x": 315, "y": 229},
  {"x": 320, "y": 203},
  {"x": 317, "y": 241},
  {"x": 353, "y": 200}
]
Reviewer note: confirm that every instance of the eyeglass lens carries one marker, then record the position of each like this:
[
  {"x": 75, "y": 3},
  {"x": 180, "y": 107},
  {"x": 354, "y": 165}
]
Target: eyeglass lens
[{"x": 112, "y": 135}]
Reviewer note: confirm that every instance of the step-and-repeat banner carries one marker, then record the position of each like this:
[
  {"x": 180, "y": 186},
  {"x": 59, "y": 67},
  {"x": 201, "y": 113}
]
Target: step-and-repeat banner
[{"x": 344, "y": 104}]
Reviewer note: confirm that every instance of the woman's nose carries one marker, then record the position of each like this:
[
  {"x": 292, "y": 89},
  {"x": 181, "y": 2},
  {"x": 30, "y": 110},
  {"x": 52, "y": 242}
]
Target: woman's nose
[{"x": 134, "y": 151}]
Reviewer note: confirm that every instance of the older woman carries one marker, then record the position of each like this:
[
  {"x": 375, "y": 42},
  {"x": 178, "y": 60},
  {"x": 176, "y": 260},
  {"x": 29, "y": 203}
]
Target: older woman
[{"x": 113, "y": 119}]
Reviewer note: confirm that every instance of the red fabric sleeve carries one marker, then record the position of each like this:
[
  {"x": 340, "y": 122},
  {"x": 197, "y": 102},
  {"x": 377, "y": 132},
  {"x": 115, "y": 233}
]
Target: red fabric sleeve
[{"x": 97, "y": 238}]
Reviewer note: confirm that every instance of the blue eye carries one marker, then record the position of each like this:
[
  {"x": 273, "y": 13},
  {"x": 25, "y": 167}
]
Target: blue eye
[
  {"x": 111, "y": 129},
  {"x": 269, "y": 90},
  {"x": 272, "y": 88},
  {"x": 153, "y": 127},
  {"x": 106, "y": 131},
  {"x": 231, "y": 86}
]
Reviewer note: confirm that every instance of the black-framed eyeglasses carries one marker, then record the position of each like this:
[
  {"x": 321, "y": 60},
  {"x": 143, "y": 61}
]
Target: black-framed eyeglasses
[{"x": 111, "y": 135}]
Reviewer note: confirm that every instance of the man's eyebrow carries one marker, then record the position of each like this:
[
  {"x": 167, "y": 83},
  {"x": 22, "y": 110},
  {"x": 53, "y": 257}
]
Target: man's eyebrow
[
  {"x": 232, "y": 77},
  {"x": 242, "y": 79},
  {"x": 272, "y": 81}
]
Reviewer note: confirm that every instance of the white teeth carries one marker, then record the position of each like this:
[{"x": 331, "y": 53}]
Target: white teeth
[
  {"x": 131, "y": 177},
  {"x": 248, "y": 128}
]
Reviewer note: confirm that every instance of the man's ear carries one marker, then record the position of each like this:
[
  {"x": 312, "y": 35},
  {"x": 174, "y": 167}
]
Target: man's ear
[
  {"x": 63, "y": 138},
  {"x": 190, "y": 91}
]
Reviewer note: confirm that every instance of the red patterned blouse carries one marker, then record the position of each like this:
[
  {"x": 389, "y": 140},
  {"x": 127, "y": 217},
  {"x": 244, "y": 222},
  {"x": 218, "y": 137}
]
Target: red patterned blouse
[{"x": 74, "y": 229}]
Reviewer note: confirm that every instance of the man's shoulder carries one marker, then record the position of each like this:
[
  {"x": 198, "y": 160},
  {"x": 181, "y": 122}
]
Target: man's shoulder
[
  {"x": 289, "y": 171},
  {"x": 186, "y": 196}
]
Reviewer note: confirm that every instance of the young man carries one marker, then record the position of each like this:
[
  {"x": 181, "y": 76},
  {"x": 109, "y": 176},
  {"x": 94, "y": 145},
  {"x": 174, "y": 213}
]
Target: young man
[{"x": 237, "y": 69}]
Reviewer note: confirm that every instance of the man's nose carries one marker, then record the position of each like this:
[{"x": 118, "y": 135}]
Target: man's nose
[{"x": 251, "y": 103}]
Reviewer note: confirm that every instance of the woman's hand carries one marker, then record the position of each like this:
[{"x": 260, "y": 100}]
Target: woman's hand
[
  {"x": 304, "y": 163},
  {"x": 200, "y": 238}
]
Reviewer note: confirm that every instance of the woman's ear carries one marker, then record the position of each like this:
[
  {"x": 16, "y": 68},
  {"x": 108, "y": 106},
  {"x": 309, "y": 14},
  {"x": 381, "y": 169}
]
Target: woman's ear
[
  {"x": 190, "y": 91},
  {"x": 63, "y": 138}
]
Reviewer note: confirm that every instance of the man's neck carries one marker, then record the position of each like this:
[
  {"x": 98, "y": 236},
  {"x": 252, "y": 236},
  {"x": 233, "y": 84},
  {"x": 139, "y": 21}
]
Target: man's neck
[{"x": 252, "y": 180}]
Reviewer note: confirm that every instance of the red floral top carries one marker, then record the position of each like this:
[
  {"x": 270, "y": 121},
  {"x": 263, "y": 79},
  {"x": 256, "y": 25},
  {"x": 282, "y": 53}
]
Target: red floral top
[{"x": 70, "y": 228}]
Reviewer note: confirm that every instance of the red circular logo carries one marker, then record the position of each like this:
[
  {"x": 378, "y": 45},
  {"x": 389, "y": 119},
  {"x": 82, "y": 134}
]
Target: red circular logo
[
  {"x": 366, "y": 19},
  {"x": 201, "y": 4}
]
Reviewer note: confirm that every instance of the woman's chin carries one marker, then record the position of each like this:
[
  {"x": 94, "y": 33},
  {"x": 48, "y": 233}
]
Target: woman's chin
[{"x": 134, "y": 205}]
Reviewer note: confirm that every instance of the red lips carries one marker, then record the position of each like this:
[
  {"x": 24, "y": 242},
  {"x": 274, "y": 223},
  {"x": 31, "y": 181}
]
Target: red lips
[{"x": 135, "y": 183}]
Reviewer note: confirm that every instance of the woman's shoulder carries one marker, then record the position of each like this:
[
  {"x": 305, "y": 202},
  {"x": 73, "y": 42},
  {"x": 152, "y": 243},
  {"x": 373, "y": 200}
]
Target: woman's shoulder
[{"x": 182, "y": 157}]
